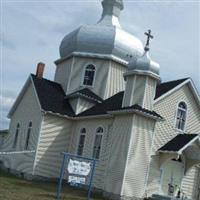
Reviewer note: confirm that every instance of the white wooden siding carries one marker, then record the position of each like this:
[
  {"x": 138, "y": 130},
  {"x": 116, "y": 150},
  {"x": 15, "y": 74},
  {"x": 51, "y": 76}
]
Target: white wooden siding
[
  {"x": 149, "y": 93},
  {"x": 189, "y": 183},
  {"x": 63, "y": 73},
  {"x": 26, "y": 111},
  {"x": 138, "y": 159},
  {"x": 115, "y": 81},
  {"x": 54, "y": 139},
  {"x": 119, "y": 139}
]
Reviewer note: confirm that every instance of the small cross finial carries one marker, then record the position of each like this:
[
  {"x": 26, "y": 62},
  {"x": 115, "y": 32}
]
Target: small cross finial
[{"x": 149, "y": 36}]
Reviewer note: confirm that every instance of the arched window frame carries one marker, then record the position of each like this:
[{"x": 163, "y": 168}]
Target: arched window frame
[
  {"x": 16, "y": 136},
  {"x": 81, "y": 141},
  {"x": 97, "y": 148},
  {"x": 27, "y": 142},
  {"x": 179, "y": 109},
  {"x": 84, "y": 75}
]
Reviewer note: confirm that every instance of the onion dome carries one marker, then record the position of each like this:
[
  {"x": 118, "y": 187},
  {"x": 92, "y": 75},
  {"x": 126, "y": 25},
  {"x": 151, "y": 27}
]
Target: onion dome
[
  {"x": 145, "y": 64},
  {"x": 104, "y": 39}
]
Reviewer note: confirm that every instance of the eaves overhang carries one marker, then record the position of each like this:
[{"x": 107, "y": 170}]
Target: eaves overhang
[
  {"x": 93, "y": 55},
  {"x": 134, "y": 111}
]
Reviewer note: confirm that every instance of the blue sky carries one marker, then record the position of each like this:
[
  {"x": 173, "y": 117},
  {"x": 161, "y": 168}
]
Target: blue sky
[{"x": 31, "y": 31}]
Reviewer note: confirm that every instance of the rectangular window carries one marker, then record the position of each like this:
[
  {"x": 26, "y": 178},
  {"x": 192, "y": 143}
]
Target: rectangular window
[
  {"x": 27, "y": 139},
  {"x": 181, "y": 117},
  {"x": 16, "y": 137},
  {"x": 97, "y": 146},
  {"x": 81, "y": 145}
]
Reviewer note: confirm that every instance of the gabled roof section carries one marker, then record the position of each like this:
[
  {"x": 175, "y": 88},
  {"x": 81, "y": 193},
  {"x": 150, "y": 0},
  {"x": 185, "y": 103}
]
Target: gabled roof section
[
  {"x": 114, "y": 105},
  {"x": 167, "y": 86},
  {"x": 138, "y": 109},
  {"x": 165, "y": 89},
  {"x": 180, "y": 142},
  {"x": 19, "y": 97},
  {"x": 85, "y": 93},
  {"x": 52, "y": 97}
]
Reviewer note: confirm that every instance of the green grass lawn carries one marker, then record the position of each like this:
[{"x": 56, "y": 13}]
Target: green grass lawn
[{"x": 13, "y": 188}]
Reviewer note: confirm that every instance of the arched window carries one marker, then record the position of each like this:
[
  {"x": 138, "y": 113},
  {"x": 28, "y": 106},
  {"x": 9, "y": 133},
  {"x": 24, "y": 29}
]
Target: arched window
[
  {"x": 81, "y": 142},
  {"x": 89, "y": 75},
  {"x": 181, "y": 116},
  {"x": 97, "y": 143},
  {"x": 16, "y": 135},
  {"x": 28, "y": 136}
]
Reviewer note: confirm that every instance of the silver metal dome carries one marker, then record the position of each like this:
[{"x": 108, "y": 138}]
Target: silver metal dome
[
  {"x": 104, "y": 38},
  {"x": 144, "y": 64}
]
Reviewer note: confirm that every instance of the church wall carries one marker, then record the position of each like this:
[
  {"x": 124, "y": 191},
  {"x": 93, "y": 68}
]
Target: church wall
[
  {"x": 63, "y": 71},
  {"x": 139, "y": 90},
  {"x": 138, "y": 160},
  {"x": 115, "y": 81},
  {"x": 54, "y": 139},
  {"x": 108, "y": 77},
  {"x": 149, "y": 95},
  {"x": 78, "y": 70},
  {"x": 91, "y": 125},
  {"x": 165, "y": 130},
  {"x": 26, "y": 111},
  {"x": 118, "y": 142},
  {"x": 189, "y": 183},
  {"x": 128, "y": 93}
]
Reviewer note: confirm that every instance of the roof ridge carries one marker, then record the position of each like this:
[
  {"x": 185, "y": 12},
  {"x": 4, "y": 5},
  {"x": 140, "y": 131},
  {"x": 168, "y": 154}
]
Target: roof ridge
[
  {"x": 45, "y": 79},
  {"x": 182, "y": 79}
]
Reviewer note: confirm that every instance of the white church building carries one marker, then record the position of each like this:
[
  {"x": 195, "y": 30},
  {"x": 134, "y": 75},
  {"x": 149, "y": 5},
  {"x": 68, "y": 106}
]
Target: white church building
[{"x": 107, "y": 102}]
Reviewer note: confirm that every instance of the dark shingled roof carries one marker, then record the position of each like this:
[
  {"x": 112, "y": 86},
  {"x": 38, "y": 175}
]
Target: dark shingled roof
[
  {"x": 85, "y": 92},
  {"x": 114, "y": 103},
  {"x": 136, "y": 107},
  {"x": 167, "y": 86},
  {"x": 178, "y": 142},
  {"x": 52, "y": 96}
]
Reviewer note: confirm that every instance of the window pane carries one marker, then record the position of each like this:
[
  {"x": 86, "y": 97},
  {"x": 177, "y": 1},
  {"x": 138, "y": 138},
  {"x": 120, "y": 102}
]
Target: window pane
[
  {"x": 97, "y": 146},
  {"x": 27, "y": 138},
  {"x": 89, "y": 75},
  {"x": 181, "y": 116},
  {"x": 182, "y": 105},
  {"x": 83, "y": 130},
  {"x": 81, "y": 145},
  {"x": 16, "y": 136},
  {"x": 100, "y": 130}
]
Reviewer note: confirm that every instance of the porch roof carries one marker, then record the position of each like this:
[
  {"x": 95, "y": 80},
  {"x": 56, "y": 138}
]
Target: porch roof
[
  {"x": 184, "y": 146},
  {"x": 179, "y": 143}
]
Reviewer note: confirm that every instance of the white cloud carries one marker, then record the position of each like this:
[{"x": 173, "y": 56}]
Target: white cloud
[
  {"x": 5, "y": 105},
  {"x": 6, "y": 102}
]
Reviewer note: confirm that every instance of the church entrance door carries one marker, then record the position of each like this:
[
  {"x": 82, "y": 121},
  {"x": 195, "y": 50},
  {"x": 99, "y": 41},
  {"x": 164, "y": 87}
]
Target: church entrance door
[{"x": 172, "y": 174}]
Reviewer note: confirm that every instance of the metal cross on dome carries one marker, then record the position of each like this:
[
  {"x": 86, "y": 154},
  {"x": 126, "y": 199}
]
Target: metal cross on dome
[{"x": 149, "y": 36}]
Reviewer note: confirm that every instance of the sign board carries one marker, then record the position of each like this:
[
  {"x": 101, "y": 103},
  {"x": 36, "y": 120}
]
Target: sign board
[
  {"x": 73, "y": 180},
  {"x": 77, "y": 171},
  {"x": 79, "y": 167}
]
